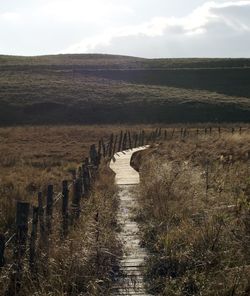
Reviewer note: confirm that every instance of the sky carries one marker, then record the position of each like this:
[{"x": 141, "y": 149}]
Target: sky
[{"x": 142, "y": 28}]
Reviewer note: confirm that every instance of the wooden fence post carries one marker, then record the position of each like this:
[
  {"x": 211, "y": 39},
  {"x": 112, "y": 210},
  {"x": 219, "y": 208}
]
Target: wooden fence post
[
  {"x": 86, "y": 178},
  {"x": 129, "y": 140},
  {"x": 114, "y": 147},
  {"x": 165, "y": 135},
  {"x": 2, "y": 249},
  {"x": 33, "y": 238},
  {"x": 76, "y": 200},
  {"x": 49, "y": 209},
  {"x": 22, "y": 215},
  {"x": 124, "y": 141},
  {"x": 41, "y": 220},
  {"x": 173, "y": 133},
  {"x": 111, "y": 141},
  {"x": 120, "y": 141},
  {"x": 143, "y": 138},
  {"x": 136, "y": 140},
  {"x": 93, "y": 155},
  {"x": 103, "y": 148},
  {"x": 65, "y": 202},
  {"x": 159, "y": 132}
]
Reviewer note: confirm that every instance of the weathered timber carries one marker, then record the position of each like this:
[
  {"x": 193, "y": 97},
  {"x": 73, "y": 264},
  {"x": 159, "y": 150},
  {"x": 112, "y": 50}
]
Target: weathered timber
[
  {"x": 33, "y": 239},
  {"x": 49, "y": 209},
  {"x": 65, "y": 202}
]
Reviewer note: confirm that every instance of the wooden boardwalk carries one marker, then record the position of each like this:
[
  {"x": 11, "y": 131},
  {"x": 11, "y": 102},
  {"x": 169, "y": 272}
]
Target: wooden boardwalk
[{"x": 130, "y": 281}]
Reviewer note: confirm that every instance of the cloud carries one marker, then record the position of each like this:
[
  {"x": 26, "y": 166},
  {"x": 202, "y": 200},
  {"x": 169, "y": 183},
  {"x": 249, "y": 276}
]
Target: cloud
[{"x": 213, "y": 29}]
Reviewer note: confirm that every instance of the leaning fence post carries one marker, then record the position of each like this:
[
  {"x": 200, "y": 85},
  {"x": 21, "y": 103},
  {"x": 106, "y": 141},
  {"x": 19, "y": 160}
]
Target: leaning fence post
[
  {"x": 22, "y": 215},
  {"x": 65, "y": 201},
  {"x": 2, "y": 249},
  {"x": 49, "y": 209},
  {"x": 33, "y": 238}
]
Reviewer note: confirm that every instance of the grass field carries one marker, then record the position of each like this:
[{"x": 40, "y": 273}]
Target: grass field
[
  {"x": 194, "y": 214},
  {"x": 33, "y": 157},
  {"x": 107, "y": 89}
]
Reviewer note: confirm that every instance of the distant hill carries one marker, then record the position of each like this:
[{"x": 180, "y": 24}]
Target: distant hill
[{"x": 107, "y": 89}]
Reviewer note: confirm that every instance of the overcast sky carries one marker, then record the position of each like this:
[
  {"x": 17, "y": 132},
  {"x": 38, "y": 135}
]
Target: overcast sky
[{"x": 144, "y": 28}]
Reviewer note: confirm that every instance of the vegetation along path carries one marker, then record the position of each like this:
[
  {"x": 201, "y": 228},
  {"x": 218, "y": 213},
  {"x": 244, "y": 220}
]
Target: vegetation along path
[{"x": 130, "y": 281}]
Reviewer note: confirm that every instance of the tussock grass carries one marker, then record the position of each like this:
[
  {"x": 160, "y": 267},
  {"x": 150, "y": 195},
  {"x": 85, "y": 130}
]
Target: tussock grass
[{"x": 194, "y": 215}]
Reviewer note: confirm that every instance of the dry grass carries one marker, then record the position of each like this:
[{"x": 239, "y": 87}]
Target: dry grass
[
  {"x": 33, "y": 157},
  {"x": 195, "y": 216},
  {"x": 84, "y": 263}
]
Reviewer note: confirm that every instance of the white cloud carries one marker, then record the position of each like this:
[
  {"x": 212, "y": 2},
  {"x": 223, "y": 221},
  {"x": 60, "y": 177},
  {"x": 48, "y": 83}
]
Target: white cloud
[
  {"x": 148, "y": 28},
  {"x": 210, "y": 26}
]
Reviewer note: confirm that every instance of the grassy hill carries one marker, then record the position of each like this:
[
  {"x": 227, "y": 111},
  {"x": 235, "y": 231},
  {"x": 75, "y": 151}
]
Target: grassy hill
[{"x": 108, "y": 89}]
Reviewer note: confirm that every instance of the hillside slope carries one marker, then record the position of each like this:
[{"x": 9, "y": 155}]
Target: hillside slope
[{"x": 107, "y": 89}]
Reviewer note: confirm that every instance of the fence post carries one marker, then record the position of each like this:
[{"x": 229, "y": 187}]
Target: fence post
[
  {"x": 93, "y": 155},
  {"x": 114, "y": 147},
  {"x": 173, "y": 133},
  {"x": 99, "y": 150},
  {"x": 165, "y": 135},
  {"x": 129, "y": 140},
  {"x": 41, "y": 220},
  {"x": 22, "y": 215},
  {"x": 2, "y": 249},
  {"x": 136, "y": 140},
  {"x": 124, "y": 142},
  {"x": 120, "y": 141},
  {"x": 49, "y": 209},
  {"x": 33, "y": 238},
  {"x": 143, "y": 138},
  {"x": 65, "y": 202},
  {"x": 76, "y": 200},
  {"x": 86, "y": 178},
  {"x": 111, "y": 141}
]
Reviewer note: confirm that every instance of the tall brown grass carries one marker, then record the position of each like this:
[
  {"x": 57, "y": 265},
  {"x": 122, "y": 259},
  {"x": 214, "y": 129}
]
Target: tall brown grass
[{"x": 194, "y": 198}]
